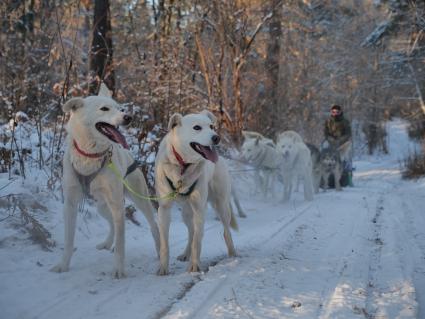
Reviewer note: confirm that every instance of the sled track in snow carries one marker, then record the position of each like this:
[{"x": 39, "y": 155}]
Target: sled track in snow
[
  {"x": 218, "y": 286},
  {"x": 374, "y": 259}
]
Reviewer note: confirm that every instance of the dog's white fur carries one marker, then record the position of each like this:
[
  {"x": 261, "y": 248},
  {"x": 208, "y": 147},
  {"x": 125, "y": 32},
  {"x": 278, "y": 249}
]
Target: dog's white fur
[
  {"x": 296, "y": 163},
  {"x": 261, "y": 152},
  {"x": 106, "y": 189},
  {"x": 213, "y": 184}
]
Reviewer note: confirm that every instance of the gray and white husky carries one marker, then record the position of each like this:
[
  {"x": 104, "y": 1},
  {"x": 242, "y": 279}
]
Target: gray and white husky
[{"x": 331, "y": 162}]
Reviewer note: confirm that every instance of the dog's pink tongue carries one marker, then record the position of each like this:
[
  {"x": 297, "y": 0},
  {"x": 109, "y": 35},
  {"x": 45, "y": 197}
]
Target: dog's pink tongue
[
  {"x": 210, "y": 153},
  {"x": 118, "y": 137}
]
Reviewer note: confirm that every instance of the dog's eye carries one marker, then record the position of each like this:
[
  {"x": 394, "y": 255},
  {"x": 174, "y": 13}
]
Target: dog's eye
[
  {"x": 212, "y": 127},
  {"x": 104, "y": 108},
  {"x": 197, "y": 128}
]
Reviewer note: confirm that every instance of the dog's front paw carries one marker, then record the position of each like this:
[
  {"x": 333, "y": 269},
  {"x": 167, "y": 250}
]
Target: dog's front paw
[
  {"x": 104, "y": 245},
  {"x": 232, "y": 253},
  {"x": 162, "y": 271},
  {"x": 119, "y": 273},
  {"x": 194, "y": 267},
  {"x": 59, "y": 268}
]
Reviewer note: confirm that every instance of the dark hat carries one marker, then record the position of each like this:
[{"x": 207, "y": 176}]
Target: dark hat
[{"x": 336, "y": 107}]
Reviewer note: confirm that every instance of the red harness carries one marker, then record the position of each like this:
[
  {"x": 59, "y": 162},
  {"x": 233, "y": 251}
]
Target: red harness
[{"x": 90, "y": 155}]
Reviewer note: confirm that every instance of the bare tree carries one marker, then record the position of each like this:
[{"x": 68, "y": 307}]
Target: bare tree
[{"x": 101, "y": 53}]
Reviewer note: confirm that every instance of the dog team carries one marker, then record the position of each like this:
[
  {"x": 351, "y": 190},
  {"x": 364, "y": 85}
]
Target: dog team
[{"x": 188, "y": 170}]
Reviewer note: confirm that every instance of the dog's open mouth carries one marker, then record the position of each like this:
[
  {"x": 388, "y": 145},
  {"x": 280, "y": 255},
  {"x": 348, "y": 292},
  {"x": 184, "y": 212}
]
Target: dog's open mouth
[
  {"x": 206, "y": 151},
  {"x": 112, "y": 133}
]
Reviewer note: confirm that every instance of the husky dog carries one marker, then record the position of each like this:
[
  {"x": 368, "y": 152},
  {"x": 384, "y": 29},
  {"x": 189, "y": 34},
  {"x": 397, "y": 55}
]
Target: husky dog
[
  {"x": 260, "y": 152},
  {"x": 331, "y": 159},
  {"x": 296, "y": 162},
  {"x": 188, "y": 167},
  {"x": 93, "y": 142}
]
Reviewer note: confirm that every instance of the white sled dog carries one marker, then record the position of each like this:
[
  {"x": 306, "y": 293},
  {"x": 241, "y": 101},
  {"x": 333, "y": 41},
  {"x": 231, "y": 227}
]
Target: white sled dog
[
  {"x": 188, "y": 166},
  {"x": 296, "y": 163},
  {"x": 261, "y": 153},
  {"x": 93, "y": 142}
]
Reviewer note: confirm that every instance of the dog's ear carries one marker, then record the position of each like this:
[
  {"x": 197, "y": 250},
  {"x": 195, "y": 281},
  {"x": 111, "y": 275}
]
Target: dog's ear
[
  {"x": 73, "y": 104},
  {"x": 210, "y": 116},
  {"x": 175, "y": 120},
  {"x": 104, "y": 91}
]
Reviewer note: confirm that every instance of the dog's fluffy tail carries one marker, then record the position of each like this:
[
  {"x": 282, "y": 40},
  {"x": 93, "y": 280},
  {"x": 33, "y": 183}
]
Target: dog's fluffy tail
[{"x": 233, "y": 222}]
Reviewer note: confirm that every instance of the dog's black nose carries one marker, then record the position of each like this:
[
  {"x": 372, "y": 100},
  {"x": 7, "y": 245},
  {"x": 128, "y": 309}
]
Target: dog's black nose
[
  {"x": 127, "y": 119},
  {"x": 215, "y": 139}
]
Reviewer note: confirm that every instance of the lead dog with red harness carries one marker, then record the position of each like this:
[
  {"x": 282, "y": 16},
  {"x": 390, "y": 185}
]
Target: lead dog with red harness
[{"x": 93, "y": 143}]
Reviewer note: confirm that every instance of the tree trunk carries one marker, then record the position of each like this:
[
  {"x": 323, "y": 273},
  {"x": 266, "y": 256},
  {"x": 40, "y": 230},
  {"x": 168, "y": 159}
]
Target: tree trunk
[
  {"x": 272, "y": 63},
  {"x": 101, "y": 55}
]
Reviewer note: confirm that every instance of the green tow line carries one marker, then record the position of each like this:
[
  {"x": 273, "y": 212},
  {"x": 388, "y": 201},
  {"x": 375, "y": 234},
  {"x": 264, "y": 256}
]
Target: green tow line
[{"x": 114, "y": 169}]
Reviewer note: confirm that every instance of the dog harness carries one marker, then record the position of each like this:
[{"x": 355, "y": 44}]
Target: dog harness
[
  {"x": 183, "y": 167},
  {"x": 85, "y": 180},
  {"x": 179, "y": 186}
]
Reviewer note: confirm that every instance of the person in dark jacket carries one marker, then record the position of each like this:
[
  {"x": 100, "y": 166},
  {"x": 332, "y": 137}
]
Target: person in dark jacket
[
  {"x": 337, "y": 127},
  {"x": 337, "y": 132}
]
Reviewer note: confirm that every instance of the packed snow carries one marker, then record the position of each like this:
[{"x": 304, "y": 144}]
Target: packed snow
[{"x": 358, "y": 253}]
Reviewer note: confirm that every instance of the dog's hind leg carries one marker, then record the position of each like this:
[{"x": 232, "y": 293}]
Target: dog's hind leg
[
  {"x": 228, "y": 220},
  {"x": 337, "y": 175},
  {"x": 104, "y": 211},
  {"x": 287, "y": 187},
  {"x": 258, "y": 182},
  {"x": 237, "y": 203},
  {"x": 308, "y": 187},
  {"x": 73, "y": 197},
  {"x": 187, "y": 215},
  {"x": 137, "y": 181}
]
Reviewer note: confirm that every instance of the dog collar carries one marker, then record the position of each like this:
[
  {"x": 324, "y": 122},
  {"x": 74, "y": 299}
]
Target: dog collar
[
  {"x": 90, "y": 155},
  {"x": 182, "y": 163}
]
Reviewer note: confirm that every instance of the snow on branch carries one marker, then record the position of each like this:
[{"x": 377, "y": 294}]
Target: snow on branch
[{"x": 378, "y": 33}]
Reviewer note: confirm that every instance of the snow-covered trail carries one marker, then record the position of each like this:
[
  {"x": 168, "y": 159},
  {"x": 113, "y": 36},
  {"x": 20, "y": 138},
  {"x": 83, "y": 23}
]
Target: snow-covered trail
[
  {"x": 358, "y": 253},
  {"x": 350, "y": 254}
]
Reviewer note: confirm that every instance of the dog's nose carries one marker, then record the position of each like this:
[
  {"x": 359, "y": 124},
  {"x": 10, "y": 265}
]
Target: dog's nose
[
  {"x": 127, "y": 119},
  {"x": 215, "y": 139}
]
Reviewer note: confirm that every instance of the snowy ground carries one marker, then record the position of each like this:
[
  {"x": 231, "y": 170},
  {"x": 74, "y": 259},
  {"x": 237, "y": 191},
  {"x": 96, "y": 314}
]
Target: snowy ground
[{"x": 359, "y": 253}]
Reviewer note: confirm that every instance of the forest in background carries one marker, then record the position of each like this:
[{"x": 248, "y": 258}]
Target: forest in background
[{"x": 266, "y": 66}]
